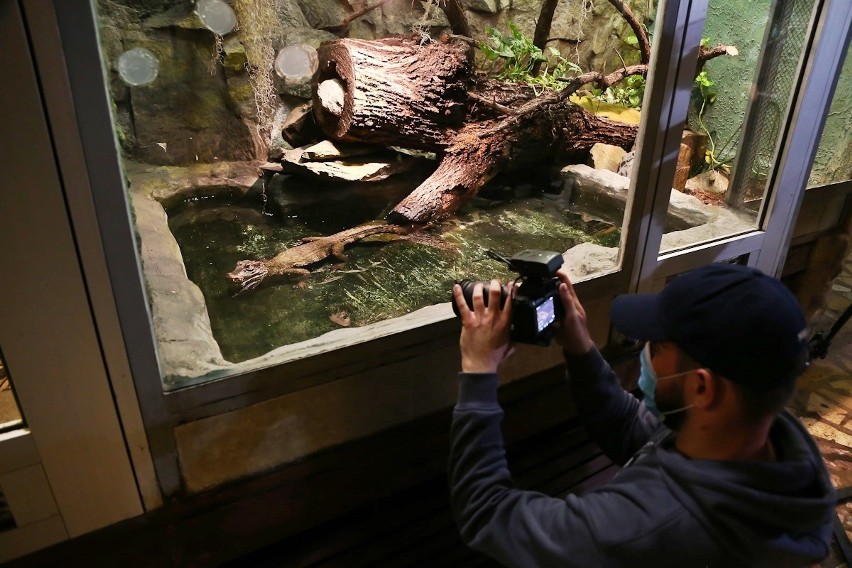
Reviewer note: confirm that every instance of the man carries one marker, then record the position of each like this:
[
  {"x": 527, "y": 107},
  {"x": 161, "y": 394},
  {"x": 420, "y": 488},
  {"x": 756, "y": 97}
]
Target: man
[{"x": 730, "y": 479}]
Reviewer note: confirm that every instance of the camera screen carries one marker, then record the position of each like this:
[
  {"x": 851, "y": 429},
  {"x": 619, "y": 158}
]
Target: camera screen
[{"x": 545, "y": 314}]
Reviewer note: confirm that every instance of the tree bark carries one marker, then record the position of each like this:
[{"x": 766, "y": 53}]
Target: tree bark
[
  {"x": 456, "y": 16},
  {"x": 542, "y": 28},
  {"x": 536, "y": 133},
  {"x": 397, "y": 92},
  {"x": 392, "y": 91},
  {"x": 638, "y": 30}
]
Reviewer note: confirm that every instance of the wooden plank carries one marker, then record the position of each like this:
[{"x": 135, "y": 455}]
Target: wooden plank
[
  {"x": 28, "y": 494},
  {"x": 23, "y": 540},
  {"x": 60, "y": 379},
  {"x": 340, "y": 501},
  {"x": 17, "y": 450}
]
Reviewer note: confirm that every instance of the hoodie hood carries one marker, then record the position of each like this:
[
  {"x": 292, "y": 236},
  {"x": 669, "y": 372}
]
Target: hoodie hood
[{"x": 780, "y": 511}]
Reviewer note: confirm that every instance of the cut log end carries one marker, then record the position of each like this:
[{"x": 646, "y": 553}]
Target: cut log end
[{"x": 332, "y": 96}]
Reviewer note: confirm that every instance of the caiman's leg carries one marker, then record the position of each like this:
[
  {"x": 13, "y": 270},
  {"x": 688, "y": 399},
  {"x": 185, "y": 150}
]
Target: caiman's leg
[
  {"x": 337, "y": 251},
  {"x": 297, "y": 271}
]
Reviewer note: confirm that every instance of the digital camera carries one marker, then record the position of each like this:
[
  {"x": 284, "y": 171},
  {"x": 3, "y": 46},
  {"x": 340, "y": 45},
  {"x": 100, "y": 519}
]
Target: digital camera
[{"x": 535, "y": 302}]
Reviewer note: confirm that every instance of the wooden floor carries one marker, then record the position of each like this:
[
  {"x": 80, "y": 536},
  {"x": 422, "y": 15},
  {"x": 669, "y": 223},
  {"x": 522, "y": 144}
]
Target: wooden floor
[{"x": 823, "y": 398}]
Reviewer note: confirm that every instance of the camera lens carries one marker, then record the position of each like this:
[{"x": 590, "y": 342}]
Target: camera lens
[{"x": 467, "y": 287}]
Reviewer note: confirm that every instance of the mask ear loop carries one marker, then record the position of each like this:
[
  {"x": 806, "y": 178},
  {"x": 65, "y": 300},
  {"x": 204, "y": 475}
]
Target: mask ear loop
[
  {"x": 647, "y": 348},
  {"x": 676, "y": 410}
]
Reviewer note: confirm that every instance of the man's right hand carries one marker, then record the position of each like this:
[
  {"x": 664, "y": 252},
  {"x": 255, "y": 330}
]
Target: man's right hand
[
  {"x": 573, "y": 332},
  {"x": 484, "y": 338}
]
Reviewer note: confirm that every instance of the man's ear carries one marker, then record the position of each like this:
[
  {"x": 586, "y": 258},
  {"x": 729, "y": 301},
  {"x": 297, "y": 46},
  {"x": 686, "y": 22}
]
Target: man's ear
[{"x": 706, "y": 389}]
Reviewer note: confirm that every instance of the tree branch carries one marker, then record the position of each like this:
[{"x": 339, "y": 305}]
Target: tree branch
[
  {"x": 455, "y": 15},
  {"x": 705, "y": 54},
  {"x": 491, "y": 104},
  {"x": 638, "y": 29},
  {"x": 343, "y": 27},
  {"x": 542, "y": 29},
  {"x": 601, "y": 80}
]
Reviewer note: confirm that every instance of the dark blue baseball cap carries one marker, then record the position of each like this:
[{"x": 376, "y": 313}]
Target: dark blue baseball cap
[{"x": 734, "y": 320}]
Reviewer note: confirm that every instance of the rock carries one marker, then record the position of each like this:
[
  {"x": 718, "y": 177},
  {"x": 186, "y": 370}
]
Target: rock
[
  {"x": 370, "y": 168},
  {"x": 322, "y": 13},
  {"x": 277, "y": 144},
  {"x": 721, "y": 222},
  {"x": 328, "y": 150},
  {"x": 179, "y": 316},
  {"x": 711, "y": 181},
  {"x": 398, "y": 17},
  {"x": 490, "y": 6},
  {"x": 599, "y": 193},
  {"x": 300, "y": 128},
  {"x": 606, "y": 157},
  {"x": 625, "y": 168},
  {"x": 180, "y": 16},
  {"x": 290, "y": 15},
  {"x": 586, "y": 259},
  {"x": 602, "y": 194},
  {"x": 690, "y": 210},
  {"x": 234, "y": 60},
  {"x": 176, "y": 121}
]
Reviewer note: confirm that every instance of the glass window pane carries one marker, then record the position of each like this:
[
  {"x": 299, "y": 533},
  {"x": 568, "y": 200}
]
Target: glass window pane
[
  {"x": 261, "y": 173},
  {"x": 739, "y": 105},
  {"x": 833, "y": 161},
  {"x": 10, "y": 415}
]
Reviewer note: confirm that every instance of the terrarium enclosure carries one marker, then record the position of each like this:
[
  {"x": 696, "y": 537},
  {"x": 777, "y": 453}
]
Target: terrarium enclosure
[{"x": 305, "y": 174}]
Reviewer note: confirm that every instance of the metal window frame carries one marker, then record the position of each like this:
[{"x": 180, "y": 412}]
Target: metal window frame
[
  {"x": 122, "y": 310},
  {"x": 765, "y": 247}
]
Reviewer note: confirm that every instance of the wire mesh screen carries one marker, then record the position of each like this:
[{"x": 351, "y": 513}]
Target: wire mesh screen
[{"x": 778, "y": 73}]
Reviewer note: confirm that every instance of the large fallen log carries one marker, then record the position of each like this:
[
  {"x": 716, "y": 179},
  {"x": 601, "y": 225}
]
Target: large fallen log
[
  {"x": 536, "y": 133},
  {"x": 399, "y": 92},
  {"x": 393, "y": 91}
]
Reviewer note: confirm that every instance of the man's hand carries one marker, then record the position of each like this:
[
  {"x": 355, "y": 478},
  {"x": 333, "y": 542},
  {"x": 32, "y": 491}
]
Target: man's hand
[
  {"x": 485, "y": 329},
  {"x": 572, "y": 332}
]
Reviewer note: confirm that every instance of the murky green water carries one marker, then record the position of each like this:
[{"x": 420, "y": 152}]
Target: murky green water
[{"x": 378, "y": 280}]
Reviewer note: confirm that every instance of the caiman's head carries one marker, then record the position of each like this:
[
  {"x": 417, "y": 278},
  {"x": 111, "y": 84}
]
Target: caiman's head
[{"x": 248, "y": 274}]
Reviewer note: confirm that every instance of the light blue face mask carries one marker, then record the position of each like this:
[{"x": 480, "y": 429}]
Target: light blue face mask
[{"x": 648, "y": 384}]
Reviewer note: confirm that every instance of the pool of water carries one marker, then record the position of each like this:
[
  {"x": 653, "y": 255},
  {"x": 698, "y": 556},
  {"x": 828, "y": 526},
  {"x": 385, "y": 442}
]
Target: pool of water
[{"x": 379, "y": 280}]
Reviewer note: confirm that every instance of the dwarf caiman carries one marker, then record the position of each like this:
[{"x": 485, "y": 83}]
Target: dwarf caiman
[{"x": 294, "y": 260}]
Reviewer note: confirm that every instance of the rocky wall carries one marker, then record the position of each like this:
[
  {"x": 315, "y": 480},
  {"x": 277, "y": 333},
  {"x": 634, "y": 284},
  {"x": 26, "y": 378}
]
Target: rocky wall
[{"x": 204, "y": 104}]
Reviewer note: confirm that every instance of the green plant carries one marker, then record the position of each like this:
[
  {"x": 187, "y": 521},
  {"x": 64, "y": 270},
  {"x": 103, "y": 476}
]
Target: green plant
[
  {"x": 629, "y": 94},
  {"x": 517, "y": 56},
  {"x": 716, "y": 157}
]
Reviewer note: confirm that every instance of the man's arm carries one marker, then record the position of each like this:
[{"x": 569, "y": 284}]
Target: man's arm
[
  {"x": 518, "y": 528},
  {"x": 614, "y": 418},
  {"x": 617, "y": 526}
]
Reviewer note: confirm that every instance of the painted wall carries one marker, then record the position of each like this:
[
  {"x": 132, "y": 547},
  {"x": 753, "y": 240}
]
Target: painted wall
[
  {"x": 833, "y": 161},
  {"x": 742, "y": 23}
]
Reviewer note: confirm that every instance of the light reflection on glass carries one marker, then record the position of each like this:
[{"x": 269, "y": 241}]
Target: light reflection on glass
[
  {"x": 216, "y": 16},
  {"x": 296, "y": 63},
  {"x": 138, "y": 66}
]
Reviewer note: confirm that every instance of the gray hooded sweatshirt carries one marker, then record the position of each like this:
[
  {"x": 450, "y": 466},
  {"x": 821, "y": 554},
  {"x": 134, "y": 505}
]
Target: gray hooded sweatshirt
[{"x": 662, "y": 509}]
